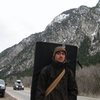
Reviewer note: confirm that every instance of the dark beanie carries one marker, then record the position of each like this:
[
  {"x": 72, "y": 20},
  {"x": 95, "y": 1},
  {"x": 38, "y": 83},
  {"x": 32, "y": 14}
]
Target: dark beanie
[{"x": 59, "y": 48}]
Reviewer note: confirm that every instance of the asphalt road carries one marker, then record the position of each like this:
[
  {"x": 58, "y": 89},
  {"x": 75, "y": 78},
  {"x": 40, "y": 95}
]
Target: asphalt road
[
  {"x": 87, "y": 98},
  {"x": 25, "y": 94},
  {"x": 7, "y": 97},
  {"x": 19, "y": 94}
]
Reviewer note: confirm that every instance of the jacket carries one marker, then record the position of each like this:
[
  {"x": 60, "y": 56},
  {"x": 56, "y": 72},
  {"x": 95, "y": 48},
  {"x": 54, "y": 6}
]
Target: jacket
[{"x": 66, "y": 89}]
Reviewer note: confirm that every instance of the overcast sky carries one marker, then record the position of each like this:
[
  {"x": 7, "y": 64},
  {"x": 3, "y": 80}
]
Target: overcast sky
[{"x": 21, "y": 18}]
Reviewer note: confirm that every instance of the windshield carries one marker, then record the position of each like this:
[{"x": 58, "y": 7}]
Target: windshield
[
  {"x": 2, "y": 81},
  {"x": 18, "y": 82}
]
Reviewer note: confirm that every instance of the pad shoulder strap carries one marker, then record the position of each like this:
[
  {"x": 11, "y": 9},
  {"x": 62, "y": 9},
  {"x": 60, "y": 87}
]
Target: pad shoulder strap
[{"x": 55, "y": 82}]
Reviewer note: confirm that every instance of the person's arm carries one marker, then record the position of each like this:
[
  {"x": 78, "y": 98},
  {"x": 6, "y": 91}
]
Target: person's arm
[
  {"x": 72, "y": 86},
  {"x": 41, "y": 86}
]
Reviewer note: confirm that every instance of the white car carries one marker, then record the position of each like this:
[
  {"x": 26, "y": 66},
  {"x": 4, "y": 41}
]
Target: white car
[
  {"x": 2, "y": 87},
  {"x": 18, "y": 85}
]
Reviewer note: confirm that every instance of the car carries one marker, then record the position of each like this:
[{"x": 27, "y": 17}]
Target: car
[
  {"x": 2, "y": 87},
  {"x": 18, "y": 85}
]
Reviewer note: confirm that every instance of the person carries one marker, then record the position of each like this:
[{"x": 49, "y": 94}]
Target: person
[{"x": 66, "y": 89}]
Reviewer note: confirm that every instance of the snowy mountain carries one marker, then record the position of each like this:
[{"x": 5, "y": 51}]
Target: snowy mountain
[{"x": 79, "y": 27}]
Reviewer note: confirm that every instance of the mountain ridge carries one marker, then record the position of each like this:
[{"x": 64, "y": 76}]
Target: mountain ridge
[{"x": 70, "y": 27}]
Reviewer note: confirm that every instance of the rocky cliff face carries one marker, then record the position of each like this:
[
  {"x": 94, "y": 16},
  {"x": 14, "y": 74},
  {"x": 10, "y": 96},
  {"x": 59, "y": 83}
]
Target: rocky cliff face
[{"x": 69, "y": 27}]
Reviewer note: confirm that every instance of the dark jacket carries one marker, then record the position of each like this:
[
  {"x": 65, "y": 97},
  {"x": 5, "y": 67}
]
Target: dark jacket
[{"x": 66, "y": 88}]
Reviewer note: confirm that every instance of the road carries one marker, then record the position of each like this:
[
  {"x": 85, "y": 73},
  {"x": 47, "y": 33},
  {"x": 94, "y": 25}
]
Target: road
[
  {"x": 19, "y": 94},
  {"x": 25, "y": 94},
  {"x": 87, "y": 98}
]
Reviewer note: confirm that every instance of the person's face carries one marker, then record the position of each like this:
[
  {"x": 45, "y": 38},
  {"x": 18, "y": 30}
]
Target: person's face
[{"x": 60, "y": 56}]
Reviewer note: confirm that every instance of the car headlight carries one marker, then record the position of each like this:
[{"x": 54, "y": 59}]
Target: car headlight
[
  {"x": 2, "y": 86},
  {"x": 16, "y": 86},
  {"x": 22, "y": 86}
]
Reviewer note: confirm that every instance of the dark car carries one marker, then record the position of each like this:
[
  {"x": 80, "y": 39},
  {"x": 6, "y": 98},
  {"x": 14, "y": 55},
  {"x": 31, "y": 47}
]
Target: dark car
[
  {"x": 18, "y": 85},
  {"x": 2, "y": 87}
]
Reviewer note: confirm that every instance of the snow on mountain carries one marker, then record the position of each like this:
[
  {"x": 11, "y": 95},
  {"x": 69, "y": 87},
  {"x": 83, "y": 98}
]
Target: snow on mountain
[{"x": 70, "y": 27}]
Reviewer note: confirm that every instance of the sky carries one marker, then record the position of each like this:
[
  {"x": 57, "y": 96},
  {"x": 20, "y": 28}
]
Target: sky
[{"x": 21, "y": 18}]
